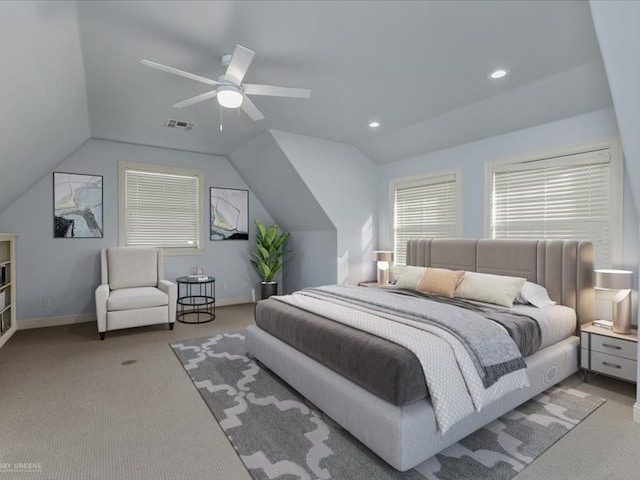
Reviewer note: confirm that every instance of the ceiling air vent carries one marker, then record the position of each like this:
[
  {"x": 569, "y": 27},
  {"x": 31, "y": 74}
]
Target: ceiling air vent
[{"x": 180, "y": 125}]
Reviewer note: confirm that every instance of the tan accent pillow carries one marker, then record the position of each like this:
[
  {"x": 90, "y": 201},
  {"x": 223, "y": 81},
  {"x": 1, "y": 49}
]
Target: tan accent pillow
[
  {"x": 440, "y": 281},
  {"x": 488, "y": 288}
]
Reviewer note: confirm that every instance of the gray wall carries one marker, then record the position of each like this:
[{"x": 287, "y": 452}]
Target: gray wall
[
  {"x": 67, "y": 270},
  {"x": 307, "y": 264},
  {"x": 616, "y": 25},
  {"x": 343, "y": 182},
  {"x": 274, "y": 180},
  {"x": 43, "y": 92},
  {"x": 470, "y": 158}
]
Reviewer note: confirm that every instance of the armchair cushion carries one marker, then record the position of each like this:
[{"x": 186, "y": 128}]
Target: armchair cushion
[
  {"x": 135, "y": 298},
  {"x": 132, "y": 267}
]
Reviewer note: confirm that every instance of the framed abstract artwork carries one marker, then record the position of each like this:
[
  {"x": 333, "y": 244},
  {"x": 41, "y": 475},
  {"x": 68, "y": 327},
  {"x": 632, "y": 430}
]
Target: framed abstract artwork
[
  {"x": 229, "y": 214},
  {"x": 77, "y": 205}
]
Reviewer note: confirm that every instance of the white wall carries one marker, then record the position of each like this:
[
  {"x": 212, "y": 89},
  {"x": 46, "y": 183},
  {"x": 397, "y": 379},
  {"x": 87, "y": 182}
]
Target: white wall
[
  {"x": 67, "y": 270},
  {"x": 343, "y": 181}
]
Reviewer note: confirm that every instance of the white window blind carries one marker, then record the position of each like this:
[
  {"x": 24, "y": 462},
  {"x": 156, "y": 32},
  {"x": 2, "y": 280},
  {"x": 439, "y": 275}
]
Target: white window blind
[
  {"x": 560, "y": 198},
  {"x": 426, "y": 208},
  {"x": 161, "y": 209}
]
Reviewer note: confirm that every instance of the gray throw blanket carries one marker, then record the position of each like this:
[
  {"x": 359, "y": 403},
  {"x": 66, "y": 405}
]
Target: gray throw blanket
[
  {"x": 493, "y": 353},
  {"x": 523, "y": 329}
]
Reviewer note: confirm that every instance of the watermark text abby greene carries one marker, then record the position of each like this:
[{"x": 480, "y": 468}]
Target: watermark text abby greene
[{"x": 20, "y": 467}]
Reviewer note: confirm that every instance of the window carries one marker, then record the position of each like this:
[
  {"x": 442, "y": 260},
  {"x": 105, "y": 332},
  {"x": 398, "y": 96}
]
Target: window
[
  {"x": 574, "y": 194},
  {"x": 424, "y": 207},
  {"x": 160, "y": 206}
]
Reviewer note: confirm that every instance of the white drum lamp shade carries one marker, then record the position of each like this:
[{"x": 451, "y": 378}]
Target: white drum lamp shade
[
  {"x": 384, "y": 259},
  {"x": 620, "y": 281}
]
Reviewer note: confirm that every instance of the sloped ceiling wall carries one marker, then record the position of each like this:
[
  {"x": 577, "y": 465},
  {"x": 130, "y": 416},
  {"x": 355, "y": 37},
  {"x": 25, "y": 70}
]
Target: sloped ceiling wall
[
  {"x": 274, "y": 180},
  {"x": 44, "y": 115},
  {"x": 616, "y": 25},
  {"x": 270, "y": 175},
  {"x": 342, "y": 180}
]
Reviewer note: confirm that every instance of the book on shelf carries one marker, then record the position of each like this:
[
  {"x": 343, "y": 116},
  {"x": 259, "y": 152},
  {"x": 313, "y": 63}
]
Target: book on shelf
[
  {"x": 3, "y": 274},
  {"x": 606, "y": 324}
]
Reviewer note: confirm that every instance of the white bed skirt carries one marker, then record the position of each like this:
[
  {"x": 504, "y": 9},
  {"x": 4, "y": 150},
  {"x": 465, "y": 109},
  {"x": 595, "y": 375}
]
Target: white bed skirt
[{"x": 402, "y": 436}]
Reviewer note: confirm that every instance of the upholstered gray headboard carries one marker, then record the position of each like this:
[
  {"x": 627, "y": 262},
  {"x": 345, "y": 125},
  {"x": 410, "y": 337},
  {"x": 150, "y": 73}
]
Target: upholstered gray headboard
[{"x": 563, "y": 267}]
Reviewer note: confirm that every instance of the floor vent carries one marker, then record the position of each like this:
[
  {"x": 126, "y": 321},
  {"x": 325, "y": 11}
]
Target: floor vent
[{"x": 186, "y": 126}]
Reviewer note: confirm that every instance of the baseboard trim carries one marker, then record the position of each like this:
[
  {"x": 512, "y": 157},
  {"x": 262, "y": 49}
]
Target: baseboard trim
[
  {"x": 91, "y": 317},
  {"x": 225, "y": 302},
  {"x": 56, "y": 321},
  {"x": 636, "y": 412}
]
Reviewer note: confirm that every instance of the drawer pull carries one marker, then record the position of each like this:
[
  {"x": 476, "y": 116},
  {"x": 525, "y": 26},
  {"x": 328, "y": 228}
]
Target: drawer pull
[
  {"x": 609, "y": 345},
  {"x": 612, "y": 365}
]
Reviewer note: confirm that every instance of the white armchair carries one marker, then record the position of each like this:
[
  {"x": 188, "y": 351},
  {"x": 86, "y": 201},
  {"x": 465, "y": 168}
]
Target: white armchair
[{"x": 133, "y": 292}]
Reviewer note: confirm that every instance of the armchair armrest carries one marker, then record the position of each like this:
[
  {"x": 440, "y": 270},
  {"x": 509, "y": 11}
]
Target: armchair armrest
[
  {"x": 171, "y": 289},
  {"x": 102, "y": 293}
]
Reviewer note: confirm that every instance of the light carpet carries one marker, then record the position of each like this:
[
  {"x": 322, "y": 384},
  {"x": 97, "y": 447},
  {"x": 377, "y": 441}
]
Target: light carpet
[{"x": 279, "y": 434}]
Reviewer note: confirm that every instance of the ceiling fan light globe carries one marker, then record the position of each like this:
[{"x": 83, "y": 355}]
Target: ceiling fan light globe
[{"x": 229, "y": 97}]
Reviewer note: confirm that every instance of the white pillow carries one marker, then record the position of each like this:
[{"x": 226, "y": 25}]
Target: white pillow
[
  {"x": 534, "y": 294},
  {"x": 484, "y": 287},
  {"x": 395, "y": 271},
  {"x": 411, "y": 277}
]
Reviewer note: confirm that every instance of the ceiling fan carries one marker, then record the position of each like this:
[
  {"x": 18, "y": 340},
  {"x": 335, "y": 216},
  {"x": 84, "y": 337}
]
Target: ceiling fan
[{"x": 230, "y": 91}]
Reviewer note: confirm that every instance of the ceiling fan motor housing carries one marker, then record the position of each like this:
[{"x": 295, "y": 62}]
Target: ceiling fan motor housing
[{"x": 226, "y": 59}]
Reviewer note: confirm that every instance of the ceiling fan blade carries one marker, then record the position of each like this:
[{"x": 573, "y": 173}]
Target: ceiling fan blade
[
  {"x": 240, "y": 61},
  {"x": 175, "y": 71},
  {"x": 272, "y": 90},
  {"x": 196, "y": 99},
  {"x": 251, "y": 110}
]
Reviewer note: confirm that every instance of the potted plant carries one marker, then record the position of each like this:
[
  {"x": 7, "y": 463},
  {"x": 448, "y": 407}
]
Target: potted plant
[{"x": 268, "y": 256}]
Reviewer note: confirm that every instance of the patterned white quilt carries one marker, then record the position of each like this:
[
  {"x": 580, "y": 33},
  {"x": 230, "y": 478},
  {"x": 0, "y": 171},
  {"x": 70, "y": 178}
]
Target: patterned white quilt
[{"x": 455, "y": 386}]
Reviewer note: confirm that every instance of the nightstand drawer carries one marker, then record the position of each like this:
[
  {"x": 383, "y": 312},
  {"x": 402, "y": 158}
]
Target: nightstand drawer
[
  {"x": 614, "y": 346},
  {"x": 614, "y": 366}
]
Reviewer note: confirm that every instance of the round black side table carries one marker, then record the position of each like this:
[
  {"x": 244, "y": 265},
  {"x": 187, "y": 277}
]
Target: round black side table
[{"x": 196, "y": 296}]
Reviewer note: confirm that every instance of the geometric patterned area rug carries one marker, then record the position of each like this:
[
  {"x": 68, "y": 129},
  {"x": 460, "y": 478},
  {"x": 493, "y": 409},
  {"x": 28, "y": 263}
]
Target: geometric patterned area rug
[{"x": 279, "y": 434}]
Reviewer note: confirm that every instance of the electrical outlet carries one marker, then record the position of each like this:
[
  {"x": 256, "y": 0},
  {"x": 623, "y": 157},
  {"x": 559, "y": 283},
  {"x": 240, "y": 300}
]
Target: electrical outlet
[
  {"x": 224, "y": 287},
  {"x": 46, "y": 302}
]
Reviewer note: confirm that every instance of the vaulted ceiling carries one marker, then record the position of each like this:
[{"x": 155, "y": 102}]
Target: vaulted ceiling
[{"x": 71, "y": 71}]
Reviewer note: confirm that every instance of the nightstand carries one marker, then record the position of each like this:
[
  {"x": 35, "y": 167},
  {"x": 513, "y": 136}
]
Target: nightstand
[{"x": 608, "y": 353}]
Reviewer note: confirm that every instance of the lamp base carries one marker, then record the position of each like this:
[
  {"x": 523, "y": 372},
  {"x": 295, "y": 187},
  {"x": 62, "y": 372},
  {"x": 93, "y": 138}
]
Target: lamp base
[
  {"x": 621, "y": 314},
  {"x": 383, "y": 276}
]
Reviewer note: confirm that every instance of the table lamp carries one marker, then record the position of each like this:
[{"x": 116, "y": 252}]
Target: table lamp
[
  {"x": 621, "y": 282},
  {"x": 383, "y": 257}
]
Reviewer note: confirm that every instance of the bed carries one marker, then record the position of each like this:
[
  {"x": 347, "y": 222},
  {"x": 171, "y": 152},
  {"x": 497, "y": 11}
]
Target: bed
[{"x": 401, "y": 427}]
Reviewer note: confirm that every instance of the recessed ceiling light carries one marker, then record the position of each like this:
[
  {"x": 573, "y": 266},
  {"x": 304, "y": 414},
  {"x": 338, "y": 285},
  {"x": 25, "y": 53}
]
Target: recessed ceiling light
[
  {"x": 374, "y": 124},
  {"x": 500, "y": 73}
]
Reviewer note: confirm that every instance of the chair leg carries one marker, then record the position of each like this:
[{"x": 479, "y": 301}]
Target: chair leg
[
  {"x": 102, "y": 335},
  {"x": 171, "y": 326}
]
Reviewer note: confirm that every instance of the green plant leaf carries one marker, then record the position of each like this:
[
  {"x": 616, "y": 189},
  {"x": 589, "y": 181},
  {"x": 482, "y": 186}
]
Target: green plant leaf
[{"x": 267, "y": 255}]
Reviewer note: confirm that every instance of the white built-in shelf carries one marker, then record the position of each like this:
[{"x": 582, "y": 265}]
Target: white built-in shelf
[{"x": 8, "y": 324}]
